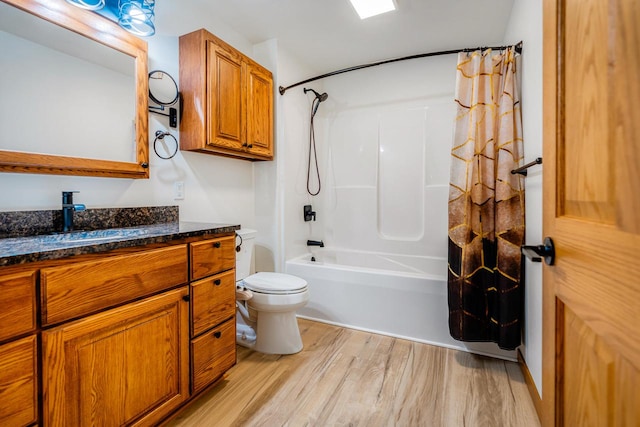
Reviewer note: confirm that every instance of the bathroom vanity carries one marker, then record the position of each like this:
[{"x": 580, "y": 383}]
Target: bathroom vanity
[{"x": 124, "y": 329}]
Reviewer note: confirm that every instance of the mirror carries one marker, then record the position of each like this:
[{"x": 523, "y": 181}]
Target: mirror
[
  {"x": 163, "y": 89},
  {"x": 74, "y": 93}
]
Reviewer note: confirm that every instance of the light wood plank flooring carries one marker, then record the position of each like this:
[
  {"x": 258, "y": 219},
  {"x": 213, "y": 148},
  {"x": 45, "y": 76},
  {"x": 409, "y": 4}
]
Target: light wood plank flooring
[{"x": 345, "y": 377}]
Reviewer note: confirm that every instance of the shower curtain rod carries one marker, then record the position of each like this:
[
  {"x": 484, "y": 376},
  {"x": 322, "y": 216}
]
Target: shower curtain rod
[{"x": 282, "y": 89}]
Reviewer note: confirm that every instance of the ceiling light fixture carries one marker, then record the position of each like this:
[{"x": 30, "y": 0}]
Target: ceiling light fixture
[
  {"x": 89, "y": 5},
  {"x": 136, "y": 16},
  {"x": 368, "y": 8}
]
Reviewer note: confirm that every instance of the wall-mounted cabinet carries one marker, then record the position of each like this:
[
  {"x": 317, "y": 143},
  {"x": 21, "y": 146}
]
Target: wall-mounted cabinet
[{"x": 227, "y": 100}]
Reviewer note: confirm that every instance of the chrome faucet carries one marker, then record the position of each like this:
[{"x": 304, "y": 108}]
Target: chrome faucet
[
  {"x": 315, "y": 243},
  {"x": 68, "y": 207}
]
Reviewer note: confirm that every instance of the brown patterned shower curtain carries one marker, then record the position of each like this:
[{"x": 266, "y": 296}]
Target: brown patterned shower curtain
[{"x": 486, "y": 202}]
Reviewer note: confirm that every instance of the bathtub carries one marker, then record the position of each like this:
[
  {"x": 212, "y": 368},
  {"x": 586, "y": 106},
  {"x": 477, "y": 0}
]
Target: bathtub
[{"x": 397, "y": 295}]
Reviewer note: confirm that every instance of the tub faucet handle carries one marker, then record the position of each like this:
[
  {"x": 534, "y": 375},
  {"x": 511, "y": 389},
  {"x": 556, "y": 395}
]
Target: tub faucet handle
[{"x": 308, "y": 213}]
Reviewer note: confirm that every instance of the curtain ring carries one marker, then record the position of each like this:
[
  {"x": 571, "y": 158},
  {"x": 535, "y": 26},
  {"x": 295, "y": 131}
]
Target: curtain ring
[{"x": 160, "y": 136}]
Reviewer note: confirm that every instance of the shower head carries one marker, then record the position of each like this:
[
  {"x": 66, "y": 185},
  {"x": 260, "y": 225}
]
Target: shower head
[{"x": 320, "y": 97}]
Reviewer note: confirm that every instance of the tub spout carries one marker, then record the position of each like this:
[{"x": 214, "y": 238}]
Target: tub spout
[{"x": 315, "y": 243}]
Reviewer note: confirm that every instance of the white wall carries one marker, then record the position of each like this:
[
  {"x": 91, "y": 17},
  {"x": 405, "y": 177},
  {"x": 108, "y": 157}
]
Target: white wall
[
  {"x": 217, "y": 189},
  {"x": 526, "y": 24}
]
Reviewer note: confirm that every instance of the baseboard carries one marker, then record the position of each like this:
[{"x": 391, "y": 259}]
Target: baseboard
[{"x": 531, "y": 385}]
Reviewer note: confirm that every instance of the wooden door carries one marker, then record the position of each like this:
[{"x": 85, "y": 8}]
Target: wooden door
[
  {"x": 591, "y": 374},
  {"x": 19, "y": 382},
  {"x": 128, "y": 365},
  {"x": 260, "y": 112},
  {"x": 225, "y": 97}
]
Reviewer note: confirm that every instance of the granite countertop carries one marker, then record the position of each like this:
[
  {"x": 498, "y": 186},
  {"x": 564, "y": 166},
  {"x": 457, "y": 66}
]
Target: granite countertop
[{"x": 19, "y": 250}]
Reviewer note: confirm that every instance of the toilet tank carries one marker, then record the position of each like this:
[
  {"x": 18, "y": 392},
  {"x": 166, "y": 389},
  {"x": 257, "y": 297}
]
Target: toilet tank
[{"x": 243, "y": 258}]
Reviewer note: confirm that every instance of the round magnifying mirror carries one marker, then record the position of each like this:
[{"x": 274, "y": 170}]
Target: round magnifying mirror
[{"x": 163, "y": 90}]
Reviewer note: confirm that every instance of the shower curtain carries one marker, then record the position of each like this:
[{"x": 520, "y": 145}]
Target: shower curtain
[{"x": 486, "y": 202}]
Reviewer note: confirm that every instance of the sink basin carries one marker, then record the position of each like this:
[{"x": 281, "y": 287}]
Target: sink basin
[{"x": 94, "y": 235}]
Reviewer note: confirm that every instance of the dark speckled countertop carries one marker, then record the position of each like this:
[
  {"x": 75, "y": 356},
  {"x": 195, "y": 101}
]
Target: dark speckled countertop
[{"x": 23, "y": 249}]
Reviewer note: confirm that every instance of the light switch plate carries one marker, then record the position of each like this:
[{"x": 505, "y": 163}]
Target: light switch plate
[{"x": 178, "y": 190}]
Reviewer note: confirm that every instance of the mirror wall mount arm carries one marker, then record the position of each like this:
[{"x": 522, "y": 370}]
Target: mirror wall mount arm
[
  {"x": 108, "y": 33},
  {"x": 282, "y": 89},
  {"x": 173, "y": 114}
]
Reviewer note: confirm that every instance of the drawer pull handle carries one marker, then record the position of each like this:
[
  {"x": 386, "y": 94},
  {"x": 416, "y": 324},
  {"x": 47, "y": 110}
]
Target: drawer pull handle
[
  {"x": 217, "y": 334},
  {"x": 217, "y": 282},
  {"x": 216, "y": 245}
]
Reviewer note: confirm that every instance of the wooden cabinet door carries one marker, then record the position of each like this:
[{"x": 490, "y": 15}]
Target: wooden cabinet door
[
  {"x": 225, "y": 95},
  {"x": 18, "y": 382},
  {"x": 18, "y": 304},
  {"x": 129, "y": 365},
  {"x": 592, "y": 212},
  {"x": 259, "y": 112}
]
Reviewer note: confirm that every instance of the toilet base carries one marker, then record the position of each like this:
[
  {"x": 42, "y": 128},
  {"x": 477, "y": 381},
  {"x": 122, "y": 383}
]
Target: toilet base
[{"x": 278, "y": 333}]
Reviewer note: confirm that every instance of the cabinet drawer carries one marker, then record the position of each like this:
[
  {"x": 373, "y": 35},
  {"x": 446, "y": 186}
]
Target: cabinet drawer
[
  {"x": 213, "y": 301},
  {"x": 212, "y": 354},
  {"x": 18, "y": 382},
  {"x": 18, "y": 300},
  {"x": 212, "y": 256},
  {"x": 74, "y": 290}
]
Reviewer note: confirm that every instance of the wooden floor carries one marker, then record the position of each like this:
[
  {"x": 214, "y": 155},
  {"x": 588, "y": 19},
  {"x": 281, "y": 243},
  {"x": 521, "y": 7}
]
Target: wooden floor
[{"x": 345, "y": 377}]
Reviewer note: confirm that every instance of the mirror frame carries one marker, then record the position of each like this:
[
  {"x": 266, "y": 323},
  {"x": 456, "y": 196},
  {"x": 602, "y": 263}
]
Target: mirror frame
[
  {"x": 108, "y": 33},
  {"x": 153, "y": 98}
]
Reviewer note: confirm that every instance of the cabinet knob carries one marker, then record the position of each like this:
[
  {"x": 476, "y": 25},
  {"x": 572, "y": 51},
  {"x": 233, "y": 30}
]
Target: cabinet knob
[
  {"x": 186, "y": 298},
  {"x": 217, "y": 282},
  {"x": 217, "y": 334},
  {"x": 250, "y": 145},
  {"x": 216, "y": 245}
]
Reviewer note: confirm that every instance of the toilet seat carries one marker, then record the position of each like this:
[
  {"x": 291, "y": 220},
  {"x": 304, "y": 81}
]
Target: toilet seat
[{"x": 275, "y": 283}]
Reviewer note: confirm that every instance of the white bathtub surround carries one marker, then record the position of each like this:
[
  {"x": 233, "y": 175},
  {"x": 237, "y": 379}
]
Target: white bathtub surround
[{"x": 388, "y": 294}]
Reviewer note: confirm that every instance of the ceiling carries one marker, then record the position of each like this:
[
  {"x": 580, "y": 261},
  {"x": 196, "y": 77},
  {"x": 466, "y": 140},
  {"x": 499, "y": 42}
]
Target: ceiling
[{"x": 327, "y": 35}]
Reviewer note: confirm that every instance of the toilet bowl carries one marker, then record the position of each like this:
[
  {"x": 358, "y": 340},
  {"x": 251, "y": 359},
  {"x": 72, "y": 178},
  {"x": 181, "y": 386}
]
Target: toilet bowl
[{"x": 267, "y": 304}]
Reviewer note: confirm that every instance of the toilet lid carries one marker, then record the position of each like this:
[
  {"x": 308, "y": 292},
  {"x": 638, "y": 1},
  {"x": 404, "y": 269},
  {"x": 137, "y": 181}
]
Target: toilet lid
[{"x": 275, "y": 283}]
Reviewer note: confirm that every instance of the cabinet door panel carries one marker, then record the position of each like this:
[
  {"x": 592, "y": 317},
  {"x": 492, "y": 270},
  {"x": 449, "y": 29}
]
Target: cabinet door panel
[
  {"x": 18, "y": 300},
  {"x": 96, "y": 285},
  {"x": 213, "y": 354},
  {"x": 213, "y": 301},
  {"x": 260, "y": 112},
  {"x": 18, "y": 382},
  {"x": 212, "y": 256},
  {"x": 225, "y": 75},
  {"x": 122, "y": 366}
]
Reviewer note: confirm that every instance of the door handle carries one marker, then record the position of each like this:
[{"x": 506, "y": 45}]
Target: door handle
[{"x": 538, "y": 252}]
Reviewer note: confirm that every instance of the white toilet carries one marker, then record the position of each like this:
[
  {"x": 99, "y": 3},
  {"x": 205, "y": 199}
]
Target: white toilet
[{"x": 267, "y": 304}]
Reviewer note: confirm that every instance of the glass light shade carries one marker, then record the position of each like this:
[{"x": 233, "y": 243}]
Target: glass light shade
[
  {"x": 368, "y": 8},
  {"x": 88, "y": 4},
  {"x": 136, "y": 16}
]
